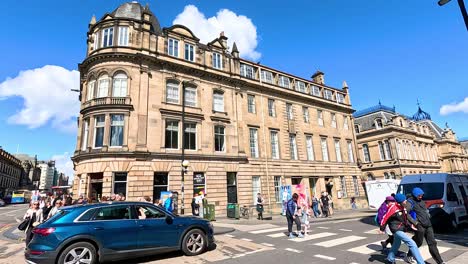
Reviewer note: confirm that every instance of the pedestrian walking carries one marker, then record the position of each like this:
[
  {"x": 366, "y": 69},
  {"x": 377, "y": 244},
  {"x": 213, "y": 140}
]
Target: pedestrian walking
[
  {"x": 380, "y": 213},
  {"x": 305, "y": 218},
  {"x": 425, "y": 230},
  {"x": 35, "y": 216},
  {"x": 399, "y": 222},
  {"x": 194, "y": 204},
  {"x": 315, "y": 205},
  {"x": 55, "y": 209},
  {"x": 353, "y": 203},
  {"x": 325, "y": 204},
  {"x": 46, "y": 210},
  {"x": 331, "y": 205},
  {"x": 259, "y": 205},
  {"x": 291, "y": 216}
]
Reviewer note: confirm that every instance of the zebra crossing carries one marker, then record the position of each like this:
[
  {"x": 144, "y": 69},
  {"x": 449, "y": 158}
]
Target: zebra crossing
[{"x": 362, "y": 242}]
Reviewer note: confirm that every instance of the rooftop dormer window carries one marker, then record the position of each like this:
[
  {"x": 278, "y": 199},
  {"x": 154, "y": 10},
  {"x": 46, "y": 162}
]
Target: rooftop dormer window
[
  {"x": 315, "y": 90},
  {"x": 217, "y": 61},
  {"x": 267, "y": 76},
  {"x": 340, "y": 98},
  {"x": 173, "y": 47},
  {"x": 283, "y": 81},
  {"x": 378, "y": 123},
  {"x": 107, "y": 37},
  {"x": 300, "y": 86},
  {"x": 247, "y": 71},
  {"x": 189, "y": 52},
  {"x": 327, "y": 94}
]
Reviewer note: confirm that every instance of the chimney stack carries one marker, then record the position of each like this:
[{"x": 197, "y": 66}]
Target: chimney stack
[{"x": 318, "y": 77}]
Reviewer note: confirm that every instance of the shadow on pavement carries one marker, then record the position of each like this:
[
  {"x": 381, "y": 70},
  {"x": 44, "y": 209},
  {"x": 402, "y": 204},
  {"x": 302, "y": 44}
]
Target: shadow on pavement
[{"x": 164, "y": 256}]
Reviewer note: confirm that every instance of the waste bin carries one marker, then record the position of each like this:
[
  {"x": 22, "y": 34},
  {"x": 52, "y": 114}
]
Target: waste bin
[
  {"x": 209, "y": 212},
  {"x": 233, "y": 210}
]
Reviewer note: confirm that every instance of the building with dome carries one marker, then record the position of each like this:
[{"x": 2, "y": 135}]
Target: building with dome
[
  {"x": 391, "y": 145},
  {"x": 152, "y": 97}
]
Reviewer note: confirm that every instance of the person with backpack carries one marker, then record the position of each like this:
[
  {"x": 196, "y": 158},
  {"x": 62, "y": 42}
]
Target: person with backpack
[
  {"x": 398, "y": 221},
  {"x": 315, "y": 204},
  {"x": 291, "y": 216},
  {"x": 417, "y": 208},
  {"x": 325, "y": 203},
  {"x": 380, "y": 213},
  {"x": 168, "y": 203}
]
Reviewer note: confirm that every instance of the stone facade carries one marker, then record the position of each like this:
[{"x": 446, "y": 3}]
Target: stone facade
[
  {"x": 10, "y": 172},
  {"x": 248, "y": 128},
  {"x": 392, "y": 145}
]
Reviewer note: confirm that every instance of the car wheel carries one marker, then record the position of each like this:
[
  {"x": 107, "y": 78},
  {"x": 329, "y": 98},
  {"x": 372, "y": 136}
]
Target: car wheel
[
  {"x": 81, "y": 252},
  {"x": 194, "y": 242}
]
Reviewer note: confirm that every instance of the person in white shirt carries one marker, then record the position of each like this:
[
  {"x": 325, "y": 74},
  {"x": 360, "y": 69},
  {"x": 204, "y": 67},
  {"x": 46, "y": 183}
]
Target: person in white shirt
[{"x": 55, "y": 209}]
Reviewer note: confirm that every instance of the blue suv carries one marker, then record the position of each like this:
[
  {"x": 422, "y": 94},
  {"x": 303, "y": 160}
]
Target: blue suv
[{"x": 114, "y": 231}]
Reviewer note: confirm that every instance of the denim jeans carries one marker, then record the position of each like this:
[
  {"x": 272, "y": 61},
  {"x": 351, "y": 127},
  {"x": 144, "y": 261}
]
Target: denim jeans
[{"x": 401, "y": 236}]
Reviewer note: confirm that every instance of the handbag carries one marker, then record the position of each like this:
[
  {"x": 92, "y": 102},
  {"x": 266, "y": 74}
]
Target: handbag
[{"x": 24, "y": 224}]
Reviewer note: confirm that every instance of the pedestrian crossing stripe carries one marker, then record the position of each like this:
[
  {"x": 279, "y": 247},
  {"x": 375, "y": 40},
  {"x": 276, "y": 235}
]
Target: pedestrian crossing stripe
[
  {"x": 293, "y": 250},
  {"x": 367, "y": 249},
  {"x": 277, "y": 235},
  {"x": 339, "y": 241},
  {"x": 374, "y": 231},
  {"x": 314, "y": 236},
  {"x": 375, "y": 246},
  {"x": 346, "y": 230},
  {"x": 322, "y": 227},
  {"x": 268, "y": 244},
  {"x": 268, "y": 230},
  {"x": 324, "y": 257}
]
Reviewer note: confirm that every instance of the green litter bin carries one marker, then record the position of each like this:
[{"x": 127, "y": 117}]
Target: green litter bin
[
  {"x": 209, "y": 212},
  {"x": 233, "y": 210}
]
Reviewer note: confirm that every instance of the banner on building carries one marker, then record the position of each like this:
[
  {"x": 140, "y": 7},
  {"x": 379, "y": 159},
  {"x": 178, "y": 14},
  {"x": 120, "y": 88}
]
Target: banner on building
[
  {"x": 286, "y": 194},
  {"x": 303, "y": 200},
  {"x": 164, "y": 196}
]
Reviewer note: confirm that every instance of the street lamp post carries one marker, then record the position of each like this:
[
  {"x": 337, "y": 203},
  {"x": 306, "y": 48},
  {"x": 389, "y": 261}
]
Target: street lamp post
[
  {"x": 183, "y": 161},
  {"x": 461, "y": 4}
]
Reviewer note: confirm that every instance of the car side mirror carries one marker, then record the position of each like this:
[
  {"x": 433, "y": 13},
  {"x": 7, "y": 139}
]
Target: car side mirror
[{"x": 169, "y": 219}]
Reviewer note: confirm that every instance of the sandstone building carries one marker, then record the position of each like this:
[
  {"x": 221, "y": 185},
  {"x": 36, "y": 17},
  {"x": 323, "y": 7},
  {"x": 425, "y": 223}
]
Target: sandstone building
[
  {"x": 247, "y": 128},
  {"x": 10, "y": 172},
  {"x": 392, "y": 145}
]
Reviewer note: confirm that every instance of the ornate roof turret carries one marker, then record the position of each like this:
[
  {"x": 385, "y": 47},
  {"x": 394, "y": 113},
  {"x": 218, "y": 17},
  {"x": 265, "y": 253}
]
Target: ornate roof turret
[
  {"x": 135, "y": 11},
  {"x": 421, "y": 115}
]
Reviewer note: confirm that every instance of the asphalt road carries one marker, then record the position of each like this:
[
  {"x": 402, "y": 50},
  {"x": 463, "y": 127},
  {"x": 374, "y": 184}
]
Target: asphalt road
[{"x": 350, "y": 241}]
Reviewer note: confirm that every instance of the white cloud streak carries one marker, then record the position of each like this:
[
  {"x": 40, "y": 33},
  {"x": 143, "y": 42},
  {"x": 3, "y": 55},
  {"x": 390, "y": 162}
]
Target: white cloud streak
[
  {"x": 46, "y": 95},
  {"x": 455, "y": 107},
  {"x": 238, "y": 28}
]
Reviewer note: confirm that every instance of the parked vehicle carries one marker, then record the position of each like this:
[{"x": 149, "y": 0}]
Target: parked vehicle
[
  {"x": 378, "y": 190},
  {"x": 2, "y": 203},
  {"x": 112, "y": 231},
  {"x": 445, "y": 195}
]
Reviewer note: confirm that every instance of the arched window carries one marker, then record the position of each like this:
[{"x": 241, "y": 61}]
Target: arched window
[
  {"x": 392, "y": 175},
  {"x": 103, "y": 86},
  {"x": 172, "y": 91},
  {"x": 386, "y": 176},
  {"x": 119, "y": 87},
  {"x": 378, "y": 123},
  {"x": 365, "y": 150},
  {"x": 370, "y": 177},
  {"x": 90, "y": 91}
]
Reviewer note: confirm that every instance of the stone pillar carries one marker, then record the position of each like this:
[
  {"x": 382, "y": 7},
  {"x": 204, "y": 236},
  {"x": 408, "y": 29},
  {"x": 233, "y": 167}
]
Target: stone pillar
[{"x": 107, "y": 182}]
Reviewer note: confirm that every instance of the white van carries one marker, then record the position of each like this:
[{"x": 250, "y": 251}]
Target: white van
[{"x": 445, "y": 195}]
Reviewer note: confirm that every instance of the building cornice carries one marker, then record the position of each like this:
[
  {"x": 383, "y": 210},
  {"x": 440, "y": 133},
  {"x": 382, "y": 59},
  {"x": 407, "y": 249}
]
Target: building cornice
[{"x": 389, "y": 129}]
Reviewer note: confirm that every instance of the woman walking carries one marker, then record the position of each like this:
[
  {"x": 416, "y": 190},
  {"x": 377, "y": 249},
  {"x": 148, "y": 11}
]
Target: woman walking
[
  {"x": 35, "y": 216},
  {"x": 260, "y": 202}
]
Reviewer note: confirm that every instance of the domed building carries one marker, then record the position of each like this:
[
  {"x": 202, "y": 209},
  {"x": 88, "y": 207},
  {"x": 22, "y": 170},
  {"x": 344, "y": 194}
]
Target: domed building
[
  {"x": 392, "y": 145},
  {"x": 153, "y": 97}
]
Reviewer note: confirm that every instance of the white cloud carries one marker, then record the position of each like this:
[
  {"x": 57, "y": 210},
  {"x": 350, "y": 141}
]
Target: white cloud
[
  {"x": 237, "y": 28},
  {"x": 47, "y": 97},
  {"x": 455, "y": 107},
  {"x": 64, "y": 164}
]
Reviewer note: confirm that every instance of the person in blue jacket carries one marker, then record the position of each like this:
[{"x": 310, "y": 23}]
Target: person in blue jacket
[
  {"x": 168, "y": 203},
  {"x": 291, "y": 216}
]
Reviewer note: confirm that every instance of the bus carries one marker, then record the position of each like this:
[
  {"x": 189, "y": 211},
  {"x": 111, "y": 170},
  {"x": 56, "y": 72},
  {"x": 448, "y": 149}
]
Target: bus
[{"x": 21, "y": 196}]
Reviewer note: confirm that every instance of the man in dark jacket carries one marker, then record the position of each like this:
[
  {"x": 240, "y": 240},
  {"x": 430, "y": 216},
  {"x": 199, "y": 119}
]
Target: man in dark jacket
[
  {"x": 425, "y": 230},
  {"x": 291, "y": 207},
  {"x": 399, "y": 222}
]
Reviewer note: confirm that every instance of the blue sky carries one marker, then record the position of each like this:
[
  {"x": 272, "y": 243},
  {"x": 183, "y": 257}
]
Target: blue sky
[{"x": 393, "y": 51}]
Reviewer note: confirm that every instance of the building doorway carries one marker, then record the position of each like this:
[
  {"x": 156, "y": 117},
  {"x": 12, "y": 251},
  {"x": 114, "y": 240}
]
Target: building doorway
[
  {"x": 329, "y": 185},
  {"x": 95, "y": 180},
  {"x": 232, "y": 187}
]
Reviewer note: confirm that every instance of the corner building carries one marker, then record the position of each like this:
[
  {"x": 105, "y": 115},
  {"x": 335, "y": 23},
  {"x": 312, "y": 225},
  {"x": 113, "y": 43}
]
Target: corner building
[{"x": 248, "y": 128}]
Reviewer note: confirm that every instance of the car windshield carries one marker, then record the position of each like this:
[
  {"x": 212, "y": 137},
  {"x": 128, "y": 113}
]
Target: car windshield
[{"x": 432, "y": 190}]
